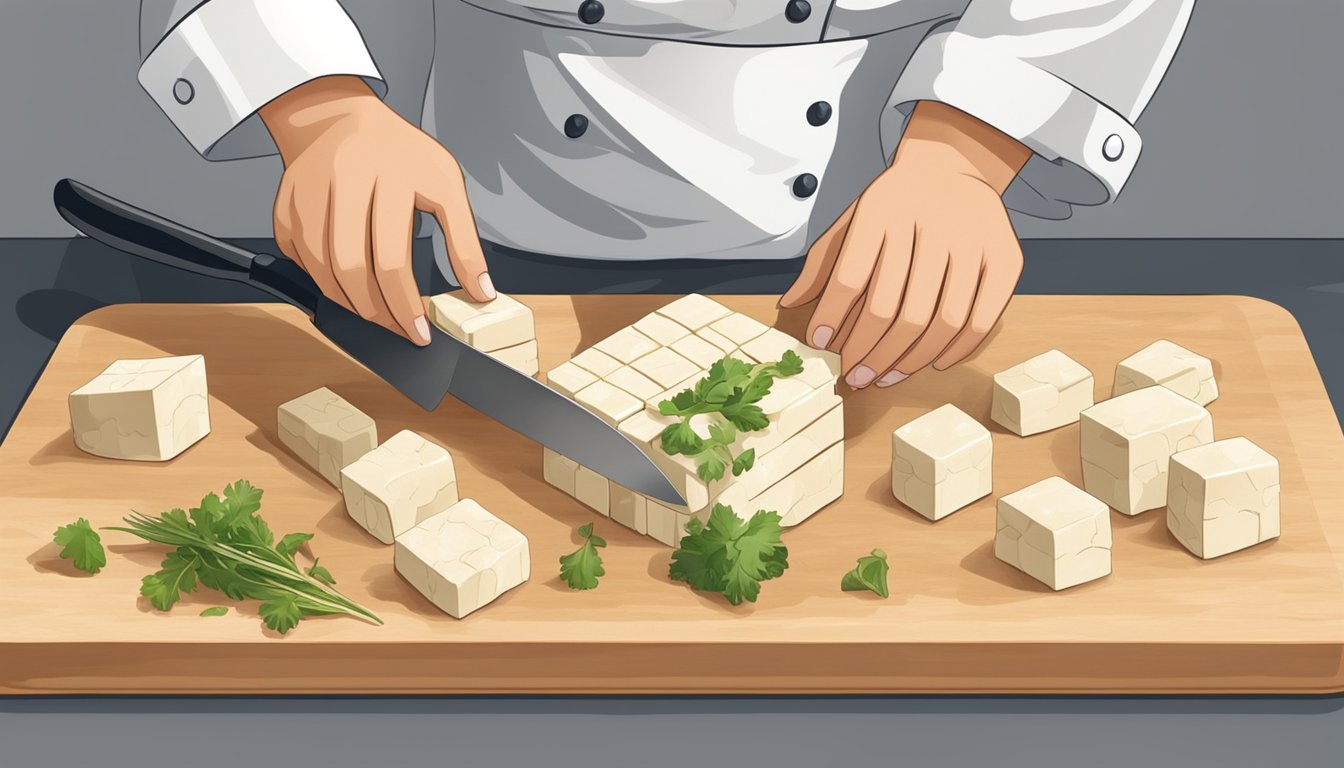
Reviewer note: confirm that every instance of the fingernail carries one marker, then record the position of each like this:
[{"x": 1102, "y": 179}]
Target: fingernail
[
  {"x": 487, "y": 285},
  {"x": 822, "y": 336},
  {"x": 422, "y": 328},
  {"x": 861, "y": 376},
  {"x": 894, "y": 377}
]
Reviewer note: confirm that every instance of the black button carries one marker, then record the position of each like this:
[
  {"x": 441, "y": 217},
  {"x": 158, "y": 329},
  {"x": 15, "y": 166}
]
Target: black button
[
  {"x": 805, "y": 185},
  {"x": 797, "y": 11},
  {"x": 591, "y": 12},
  {"x": 819, "y": 113},
  {"x": 576, "y": 126}
]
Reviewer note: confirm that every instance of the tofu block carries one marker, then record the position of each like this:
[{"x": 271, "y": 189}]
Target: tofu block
[
  {"x": 662, "y": 523},
  {"x": 463, "y": 558},
  {"x": 1055, "y": 533},
  {"x": 393, "y": 487},
  {"x": 1223, "y": 497},
  {"x": 662, "y": 330},
  {"x": 738, "y": 328},
  {"x": 626, "y": 345},
  {"x": 941, "y": 461},
  {"x": 503, "y": 322},
  {"x": 694, "y": 311},
  {"x": 142, "y": 410},
  {"x": 326, "y": 432},
  {"x": 666, "y": 367},
  {"x": 568, "y": 378},
  {"x": 560, "y": 471},
  {"x": 629, "y": 508},
  {"x": 593, "y": 490},
  {"x": 771, "y": 345},
  {"x": 1127, "y": 442},
  {"x": 633, "y": 382},
  {"x": 1043, "y": 393},
  {"x": 522, "y": 356},
  {"x": 612, "y": 404},
  {"x": 1169, "y": 365},
  {"x": 799, "y": 495}
]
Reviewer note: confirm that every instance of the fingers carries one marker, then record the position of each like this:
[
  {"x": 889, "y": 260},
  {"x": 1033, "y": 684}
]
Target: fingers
[
  {"x": 882, "y": 302},
  {"x": 391, "y": 223},
  {"x": 954, "y": 308},
  {"x": 820, "y": 260},
  {"x": 929, "y": 266},
  {"x": 848, "y": 279},
  {"x": 1003, "y": 267},
  {"x": 349, "y": 251},
  {"x": 448, "y": 202},
  {"x": 308, "y": 232}
]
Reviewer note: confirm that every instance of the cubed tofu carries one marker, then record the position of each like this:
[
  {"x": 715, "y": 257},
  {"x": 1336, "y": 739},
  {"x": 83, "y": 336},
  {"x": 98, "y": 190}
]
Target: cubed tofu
[
  {"x": 143, "y": 410},
  {"x": 1127, "y": 442},
  {"x": 629, "y": 508},
  {"x": 661, "y": 522},
  {"x": 463, "y": 558},
  {"x": 631, "y": 381},
  {"x": 694, "y": 311},
  {"x": 1170, "y": 365},
  {"x": 661, "y": 329},
  {"x": 1223, "y": 497},
  {"x": 941, "y": 461},
  {"x": 1055, "y": 533},
  {"x": 770, "y": 346},
  {"x": 799, "y": 495},
  {"x": 503, "y": 322},
  {"x": 326, "y": 432},
  {"x": 559, "y": 470},
  {"x": 723, "y": 343},
  {"x": 1043, "y": 393},
  {"x": 520, "y": 356},
  {"x": 739, "y": 328},
  {"x": 568, "y": 378},
  {"x": 626, "y": 345},
  {"x": 645, "y": 427},
  {"x": 666, "y": 367},
  {"x": 596, "y": 362},
  {"x": 698, "y": 351},
  {"x": 612, "y": 404},
  {"x": 593, "y": 490},
  {"x": 395, "y": 486}
]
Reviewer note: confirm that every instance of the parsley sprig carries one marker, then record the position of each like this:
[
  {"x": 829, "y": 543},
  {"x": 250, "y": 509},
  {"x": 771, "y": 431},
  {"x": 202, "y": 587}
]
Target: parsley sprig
[
  {"x": 729, "y": 555},
  {"x": 581, "y": 567},
  {"x": 731, "y": 390}
]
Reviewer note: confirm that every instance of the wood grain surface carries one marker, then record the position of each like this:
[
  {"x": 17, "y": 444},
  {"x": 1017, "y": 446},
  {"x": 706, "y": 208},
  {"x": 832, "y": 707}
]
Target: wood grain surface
[{"x": 1268, "y": 619}]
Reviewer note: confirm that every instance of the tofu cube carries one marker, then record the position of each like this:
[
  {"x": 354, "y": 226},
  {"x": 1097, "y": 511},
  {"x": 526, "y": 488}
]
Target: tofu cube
[
  {"x": 1055, "y": 533},
  {"x": 593, "y": 490},
  {"x": 941, "y": 461},
  {"x": 1127, "y": 442},
  {"x": 568, "y": 379},
  {"x": 1169, "y": 365},
  {"x": 738, "y": 328},
  {"x": 142, "y": 410},
  {"x": 612, "y": 404},
  {"x": 694, "y": 311},
  {"x": 398, "y": 484},
  {"x": 799, "y": 495},
  {"x": 666, "y": 367},
  {"x": 1223, "y": 497},
  {"x": 463, "y": 558},
  {"x": 596, "y": 362},
  {"x": 503, "y": 322},
  {"x": 629, "y": 508},
  {"x": 662, "y": 522},
  {"x": 724, "y": 344},
  {"x": 698, "y": 350},
  {"x": 558, "y": 470},
  {"x": 521, "y": 356},
  {"x": 633, "y": 382},
  {"x": 662, "y": 330},
  {"x": 1043, "y": 393},
  {"x": 626, "y": 345},
  {"x": 326, "y": 432}
]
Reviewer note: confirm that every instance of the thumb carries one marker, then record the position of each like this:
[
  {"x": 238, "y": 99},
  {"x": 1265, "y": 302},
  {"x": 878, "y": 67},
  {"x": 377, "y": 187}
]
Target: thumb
[{"x": 450, "y": 207}]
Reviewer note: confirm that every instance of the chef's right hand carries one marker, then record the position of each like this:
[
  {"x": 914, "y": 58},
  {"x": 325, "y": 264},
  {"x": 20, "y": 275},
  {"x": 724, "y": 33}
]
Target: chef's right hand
[{"x": 355, "y": 173}]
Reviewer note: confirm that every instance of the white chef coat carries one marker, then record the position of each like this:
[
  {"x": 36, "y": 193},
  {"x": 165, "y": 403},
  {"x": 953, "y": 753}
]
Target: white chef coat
[{"x": 647, "y": 129}]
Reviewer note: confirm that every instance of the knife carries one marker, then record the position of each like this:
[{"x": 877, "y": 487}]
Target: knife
[{"x": 424, "y": 374}]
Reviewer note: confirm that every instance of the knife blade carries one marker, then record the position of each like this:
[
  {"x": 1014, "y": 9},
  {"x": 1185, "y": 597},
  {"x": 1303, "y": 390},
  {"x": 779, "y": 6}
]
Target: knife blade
[{"x": 424, "y": 374}]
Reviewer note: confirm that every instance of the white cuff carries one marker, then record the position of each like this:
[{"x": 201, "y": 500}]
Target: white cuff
[
  {"x": 1061, "y": 124},
  {"x": 228, "y": 58}
]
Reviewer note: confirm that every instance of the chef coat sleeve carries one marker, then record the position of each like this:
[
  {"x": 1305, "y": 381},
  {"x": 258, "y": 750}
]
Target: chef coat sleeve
[
  {"x": 210, "y": 66},
  {"x": 1067, "y": 79}
]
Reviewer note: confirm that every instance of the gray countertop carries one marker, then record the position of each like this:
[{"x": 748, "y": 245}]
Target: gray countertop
[{"x": 50, "y": 283}]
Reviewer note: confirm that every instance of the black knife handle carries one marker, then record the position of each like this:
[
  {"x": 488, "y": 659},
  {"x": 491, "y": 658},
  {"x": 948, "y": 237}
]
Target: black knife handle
[{"x": 144, "y": 234}]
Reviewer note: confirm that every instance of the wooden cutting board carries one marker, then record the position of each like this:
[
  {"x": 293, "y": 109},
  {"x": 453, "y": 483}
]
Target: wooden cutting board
[{"x": 1269, "y": 619}]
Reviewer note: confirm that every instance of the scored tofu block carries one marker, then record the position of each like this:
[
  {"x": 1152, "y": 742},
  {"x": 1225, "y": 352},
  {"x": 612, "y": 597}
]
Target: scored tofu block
[
  {"x": 941, "y": 461},
  {"x": 521, "y": 356},
  {"x": 666, "y": 367},
  {"x": 1170, "y": 365},
  {"x": 398, "y": 484},
  {"x": 1055, "y": 533},
  {"x": 143, "y": 410},
  {"x": 1043, "y": 393},
  {"x": 503, "y": 322},
  {"x": 463, "y": 558},
  {"x": 633, "y": 382},
  {"x": 799, "y": 495},
  {"x": 626, "y": 346},
  {"x": 1223, "y": 497},
  {"x": 694, "y": 311},
  {"x": 326, "y": 432},
  {"x": 1127, "y": 442}
]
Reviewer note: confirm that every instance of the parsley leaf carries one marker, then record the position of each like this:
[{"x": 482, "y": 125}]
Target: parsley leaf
[
  {"x": 281, "y": 613},
  {"x": 729, "y": 556},
  {"x": 869, "y": 574},
  {"x": 177, "y": 575},
  {"x": 215, "y": 610},
  {"x": 290, "y": 542},
  {"x": 81, "y": 545},
  {"x": 581, "y": 567}
]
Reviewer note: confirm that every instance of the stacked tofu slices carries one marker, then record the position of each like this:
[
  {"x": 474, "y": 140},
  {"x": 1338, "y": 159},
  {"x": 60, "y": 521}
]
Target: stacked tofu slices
[{"x": 799, "y": 456}]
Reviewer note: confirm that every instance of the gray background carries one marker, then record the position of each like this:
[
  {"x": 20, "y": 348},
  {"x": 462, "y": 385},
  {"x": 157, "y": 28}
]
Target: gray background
[{"x": 1241, "y": 139}]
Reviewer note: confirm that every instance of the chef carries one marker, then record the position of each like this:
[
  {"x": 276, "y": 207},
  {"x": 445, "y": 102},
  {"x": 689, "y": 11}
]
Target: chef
[{"x": 886, "y": 139}]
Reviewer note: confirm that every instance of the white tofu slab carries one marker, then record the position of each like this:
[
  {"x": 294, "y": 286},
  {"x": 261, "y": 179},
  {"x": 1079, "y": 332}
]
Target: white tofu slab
[
  {"x": 612, "y": 404},
  {"x": 1043, "y": 393},
  {"x": 1127, "y": 442},
  {"x": 1223, "y": 497},
  {"x": 661, "y": 329},
  {"x": 463, "y": 558},
  {"x": 626, "y": 345},
  {"x": 393, "y": 487},
  {"x": 568, "y": 378},
  {"x": 694, "y": 311},
  {"x": 326, "y": 432},
  {"x": 521, "y": 356},
  {"x": 503, "y": 322},
  {"x": 1170, "y": 365},
  {"x": 941, "y": 461},
  {"x": 142, "y": 410},
  {"x": 1055, "y": 533},
  {"x": 558, "y": 470}
]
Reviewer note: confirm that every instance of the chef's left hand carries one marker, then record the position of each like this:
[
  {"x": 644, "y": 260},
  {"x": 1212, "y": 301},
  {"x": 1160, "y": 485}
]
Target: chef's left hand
[{"x": 919, "y": 268}]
